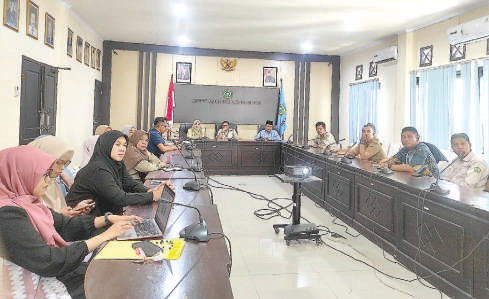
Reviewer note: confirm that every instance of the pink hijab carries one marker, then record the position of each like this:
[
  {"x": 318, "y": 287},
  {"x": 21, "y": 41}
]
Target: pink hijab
[{"x": 21, "y": 168}]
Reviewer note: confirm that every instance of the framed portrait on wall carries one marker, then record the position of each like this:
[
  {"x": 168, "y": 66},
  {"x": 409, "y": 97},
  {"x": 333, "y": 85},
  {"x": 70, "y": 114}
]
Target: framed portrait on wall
[
  {"x": 358, "y": 72},
  {"x": 92, "y": 61},
  {"x": 11, "y": 13},
  {"x": 269, "y": 76},
  {"x": 184, "y": 72},
  {"x": 32, "y": 19},
  {"x": 86, "y": 54},
  {"x": 97, "y": 61},
  {"x": 79, "y": 48},
  {"x": 69, "y": 43},
  {"x": 49, "y": 30}
]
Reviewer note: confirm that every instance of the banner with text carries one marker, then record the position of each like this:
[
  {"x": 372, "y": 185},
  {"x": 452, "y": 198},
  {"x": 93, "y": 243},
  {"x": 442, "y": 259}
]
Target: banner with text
[{"x": 213, "y": 104}]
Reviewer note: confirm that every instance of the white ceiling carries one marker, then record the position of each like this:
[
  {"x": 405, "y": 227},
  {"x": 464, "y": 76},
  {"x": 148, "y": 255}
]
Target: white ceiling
[{"x": 332, "y": 27}]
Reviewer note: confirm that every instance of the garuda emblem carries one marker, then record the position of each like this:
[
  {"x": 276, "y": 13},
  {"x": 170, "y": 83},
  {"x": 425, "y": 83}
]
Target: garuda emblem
[{"x": 228, "y": 64}]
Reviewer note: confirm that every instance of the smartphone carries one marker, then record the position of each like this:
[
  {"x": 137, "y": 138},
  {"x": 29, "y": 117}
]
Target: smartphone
[{"x": 149, "y": 248}]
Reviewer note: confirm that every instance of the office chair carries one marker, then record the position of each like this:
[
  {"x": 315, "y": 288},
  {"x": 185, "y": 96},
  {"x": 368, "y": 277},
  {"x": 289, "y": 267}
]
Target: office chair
[
  {"x": 219, "y": 126},
  {"x": 262, "y": 127},
  {"x": 182, "y": 132}
]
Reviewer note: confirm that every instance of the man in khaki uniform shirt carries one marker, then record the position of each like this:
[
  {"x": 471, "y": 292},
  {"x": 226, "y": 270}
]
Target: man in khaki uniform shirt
[
  {"x": 369, "y": 147},
  {"x": 226, "y": 132},
  {"x": 324, "y": 138},
  {"x": 469, "y": 170}
]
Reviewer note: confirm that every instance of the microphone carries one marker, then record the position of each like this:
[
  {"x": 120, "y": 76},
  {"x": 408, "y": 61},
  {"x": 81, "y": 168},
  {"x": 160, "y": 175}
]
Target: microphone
[
  {"x": 190, "y": 185},
  {"x": 459, "y": 157},
  {"x": 187, "y": 154},
  {"x": 288, "y": 139},
  {"x": 306, "y": 145},
  {"x": 327, "y": 151},
  {"x": 435, "y": 187},
  {"x": 197, "y": 231}
]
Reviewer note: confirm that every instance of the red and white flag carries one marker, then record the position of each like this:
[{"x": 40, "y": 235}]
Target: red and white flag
[{"x": 170, "y": 103}]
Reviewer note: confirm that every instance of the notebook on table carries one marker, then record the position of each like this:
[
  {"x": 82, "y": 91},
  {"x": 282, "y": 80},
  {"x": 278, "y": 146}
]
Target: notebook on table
[{"x": 153, "y": 227}]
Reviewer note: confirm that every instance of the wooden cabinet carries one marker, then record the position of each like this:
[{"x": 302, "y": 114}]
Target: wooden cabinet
[
  {"x": 240, "y": 158},
  {"x": 258, "y": 158},
  {"x": 339, "y": 192},
  {"x": 376, "y": 205},
  {"x": 219, "y": 157}
]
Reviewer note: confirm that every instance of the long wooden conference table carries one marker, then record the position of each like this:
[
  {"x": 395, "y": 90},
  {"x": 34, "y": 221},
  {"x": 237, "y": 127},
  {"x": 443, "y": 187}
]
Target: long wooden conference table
[
  {"x": 200, "y": 272},
  {"x": 443, "y": 239}
]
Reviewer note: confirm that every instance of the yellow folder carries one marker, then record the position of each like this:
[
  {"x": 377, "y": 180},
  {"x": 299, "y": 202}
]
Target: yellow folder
[{"x": 115, "y": 250}]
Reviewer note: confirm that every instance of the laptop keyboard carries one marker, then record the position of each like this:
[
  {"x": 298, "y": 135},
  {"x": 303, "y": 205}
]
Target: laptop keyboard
[{"x": 146, "y": 228}]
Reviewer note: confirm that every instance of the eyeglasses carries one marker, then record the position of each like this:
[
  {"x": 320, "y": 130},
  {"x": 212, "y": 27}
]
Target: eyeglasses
[
  {"x": 47, "y": 175},
  {"x": 63, "y": 163}
]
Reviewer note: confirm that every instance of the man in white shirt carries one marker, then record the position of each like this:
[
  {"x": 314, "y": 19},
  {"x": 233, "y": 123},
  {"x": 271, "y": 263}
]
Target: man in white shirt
[{"x": 469, "y": 170}]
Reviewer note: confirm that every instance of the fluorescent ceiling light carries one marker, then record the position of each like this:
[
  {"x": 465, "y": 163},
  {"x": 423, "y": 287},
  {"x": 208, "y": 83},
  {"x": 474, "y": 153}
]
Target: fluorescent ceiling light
[
  {"x": 180, "y": 10},
  {"x": 183, "y": 40},
  {"x": 307, "y": 47}
]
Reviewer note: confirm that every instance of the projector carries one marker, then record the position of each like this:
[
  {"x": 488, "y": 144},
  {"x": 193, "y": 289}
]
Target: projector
[{"x": 300, "y": 172}]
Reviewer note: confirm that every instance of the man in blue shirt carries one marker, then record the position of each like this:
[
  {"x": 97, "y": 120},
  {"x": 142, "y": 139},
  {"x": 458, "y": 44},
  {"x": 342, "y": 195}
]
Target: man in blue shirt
[
  {"x": 156, "y": 143},
  {"x": 268, "y": 134},
  {"x": 413, "y": 156}
]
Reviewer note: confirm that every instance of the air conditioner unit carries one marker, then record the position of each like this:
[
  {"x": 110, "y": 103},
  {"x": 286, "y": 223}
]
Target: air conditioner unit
[
  {"x": 385, "y": 55},
  {"x": 469, "y": 32}
]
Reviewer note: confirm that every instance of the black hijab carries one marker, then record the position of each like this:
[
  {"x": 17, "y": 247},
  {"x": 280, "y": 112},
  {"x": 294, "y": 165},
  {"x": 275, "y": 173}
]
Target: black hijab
[
  {"x": 101, "y": 155},
  {"x": 82, "y": 186}
]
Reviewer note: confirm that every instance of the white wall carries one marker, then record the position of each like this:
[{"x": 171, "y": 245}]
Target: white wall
[
  {"x": 206, "y": 71},
  {"x": 394, "y": 77},
  {"x": 75, "y": 87},
  {"x": 320, "y": 96},
  {"x": 387, "y": 93}
]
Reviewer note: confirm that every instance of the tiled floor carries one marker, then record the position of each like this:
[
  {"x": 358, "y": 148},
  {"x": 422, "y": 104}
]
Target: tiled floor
[{"x": 265, "y": 268}]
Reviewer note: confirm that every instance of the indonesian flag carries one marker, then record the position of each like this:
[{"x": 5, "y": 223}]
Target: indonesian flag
[{"x": 169, "y": 108}]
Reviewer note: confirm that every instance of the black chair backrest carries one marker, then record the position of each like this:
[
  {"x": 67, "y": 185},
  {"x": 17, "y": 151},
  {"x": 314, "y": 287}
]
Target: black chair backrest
[
  {"x": 262, "y": 127},
  {"x": 231, "y": 125},
  {"x": 182, "y": 132},
  {"x": 437, "y": 154}
]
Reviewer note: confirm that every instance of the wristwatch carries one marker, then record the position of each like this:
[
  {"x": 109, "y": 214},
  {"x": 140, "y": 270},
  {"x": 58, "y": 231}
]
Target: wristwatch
[{"x": 106, "y": 216}]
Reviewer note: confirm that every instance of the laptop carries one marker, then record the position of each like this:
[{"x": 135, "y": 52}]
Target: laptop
[{"x": 153, "y": 227}]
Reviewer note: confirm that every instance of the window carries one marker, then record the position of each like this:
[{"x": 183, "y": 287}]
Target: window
[
  {"x": 363, "y": 107},
  {"x": 452, "y": 99}
]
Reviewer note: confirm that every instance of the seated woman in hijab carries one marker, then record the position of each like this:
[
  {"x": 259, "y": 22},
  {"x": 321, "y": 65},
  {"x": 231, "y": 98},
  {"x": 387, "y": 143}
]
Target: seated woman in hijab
[
  {"x": 34, "y": 237},
  {"x": 105, "y": 179},
  {"x": 129, "y": 130},
  {"x": 195, "y": 132},
  {"x": 89, "y": 144},
  {"x": 53, "y": 197},
  {"x": 138, "y": 160}
]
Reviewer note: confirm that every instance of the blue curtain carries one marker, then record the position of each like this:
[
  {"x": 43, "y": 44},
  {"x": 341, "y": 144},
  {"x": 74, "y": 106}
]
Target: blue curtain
[
  {"x": 471, "y": 100},
  {"x": 485, "y": 83},
  {"x": 363, "y": 107},
  {"x": 436, "y": 90},
  {"x": 414, "y": 96}
]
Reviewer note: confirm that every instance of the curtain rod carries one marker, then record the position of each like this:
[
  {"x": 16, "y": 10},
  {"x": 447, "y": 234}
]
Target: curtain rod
[
  {"x": 364, "y": 81},
  {"x": 449, "y": 64}
]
